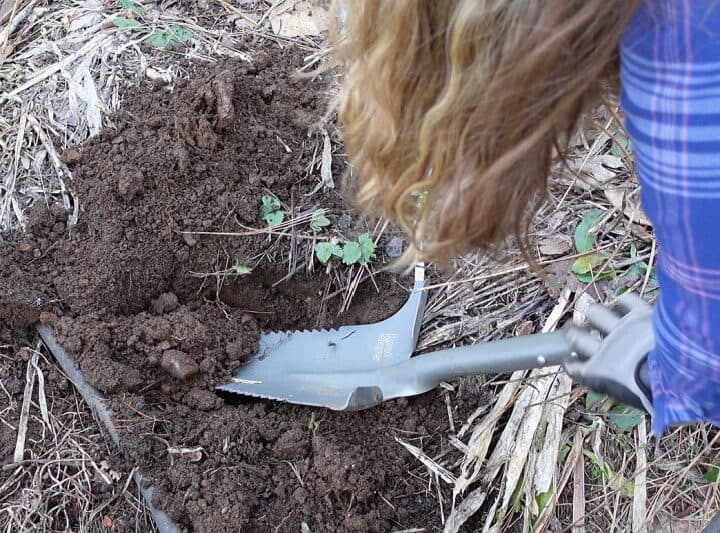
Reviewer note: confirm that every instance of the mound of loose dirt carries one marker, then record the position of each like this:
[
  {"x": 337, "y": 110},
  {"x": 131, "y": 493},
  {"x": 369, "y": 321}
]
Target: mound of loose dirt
[{"x": 136, "y": 302}]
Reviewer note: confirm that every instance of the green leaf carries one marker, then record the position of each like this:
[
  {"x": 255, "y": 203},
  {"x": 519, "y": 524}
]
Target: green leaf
[
  {"x": 592, "y": 398},
  {"x": 273, "y": 219},
  {"x": 133, "y": 7},
  {"x": 625, "y": 417},
  {"x": 180, "y": 34},
  {"x": 319, "y": 220},
  {"x": 620, "y": 143},
  {"x": 126, "y": 24},
  {"x": 241, "y": 269},
  {"x": 269, "y": 204},
  {"x": 543, "y": 499},
  {"x": 586, "y": 430},
  {"x": 713, "y": 473},
  {"x": 584, "y": 239},
  {"x": 564, "y": 452},
  {"x": 517, "y": 496},
  {"x": 269, "y": 211},
  {"x": 314, "y": 424},
  {"x": 638, "y": 269},
  {"x": 352, "y": 253},
  {"x": 605, "y": 274},
  {"x": 175, "y": 34},
  {"x": 587, "y": 263},
  {"x": 620, "y": 483},
  {"x": 367, "y": 248},
  {"x": 325, "y": 250}
]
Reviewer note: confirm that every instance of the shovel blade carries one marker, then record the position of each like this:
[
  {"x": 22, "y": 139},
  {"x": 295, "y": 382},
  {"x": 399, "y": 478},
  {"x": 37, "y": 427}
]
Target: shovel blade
[
  {"x": 337, "y": 368},
  {"x": 311, "y": 390}
]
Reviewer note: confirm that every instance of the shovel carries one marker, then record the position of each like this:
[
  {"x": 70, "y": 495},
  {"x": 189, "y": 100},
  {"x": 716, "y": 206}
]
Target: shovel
[{"x": 361, "y": 366}]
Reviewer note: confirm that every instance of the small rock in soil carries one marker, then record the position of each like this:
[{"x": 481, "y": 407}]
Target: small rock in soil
[
  {"x": 179, "y": 364},
  {"x": 394, "y": 247}
]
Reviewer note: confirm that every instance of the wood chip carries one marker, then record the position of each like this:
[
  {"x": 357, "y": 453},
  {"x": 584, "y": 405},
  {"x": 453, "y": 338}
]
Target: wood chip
[{"x": 194, "y": 455}]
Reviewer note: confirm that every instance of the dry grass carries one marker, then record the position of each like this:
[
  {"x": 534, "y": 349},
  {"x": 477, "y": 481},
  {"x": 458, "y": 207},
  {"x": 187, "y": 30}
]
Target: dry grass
[
  {"x": 534, "y": 458},
  {"x": 60, "y": 478}
]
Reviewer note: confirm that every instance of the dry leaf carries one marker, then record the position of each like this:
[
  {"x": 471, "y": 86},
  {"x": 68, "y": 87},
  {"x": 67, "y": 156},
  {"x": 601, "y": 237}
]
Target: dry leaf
[
  {"x": 581, "y": 305},
  {"x": 554, "y": 411},
  {"x": 555, "y": 245},
  {"x": 107, "y": 522},
  {"x": 555, "y": 220},
  {"x": 326, "y": 178},
  {"x": 631, "y": 208},
  {"x": 299, "y": 18},
  {"x": 597, "y": 170},
  {"x": 6, "y": 7}
]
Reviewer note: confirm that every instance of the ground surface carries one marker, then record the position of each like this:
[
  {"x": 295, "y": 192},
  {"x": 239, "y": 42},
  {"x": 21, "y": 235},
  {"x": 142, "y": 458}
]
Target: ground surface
[
  {"x": 139, "y": 304},
  {"x": 123, "y": 293}
]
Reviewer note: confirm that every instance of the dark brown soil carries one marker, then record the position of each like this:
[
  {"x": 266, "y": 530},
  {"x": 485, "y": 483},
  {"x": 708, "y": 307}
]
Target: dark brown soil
[{"x": 154, "y": 326}]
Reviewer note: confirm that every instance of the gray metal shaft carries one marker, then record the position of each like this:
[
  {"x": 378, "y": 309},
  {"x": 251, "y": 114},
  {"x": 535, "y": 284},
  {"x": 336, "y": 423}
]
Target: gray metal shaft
[{"x": 505, "y": 355}]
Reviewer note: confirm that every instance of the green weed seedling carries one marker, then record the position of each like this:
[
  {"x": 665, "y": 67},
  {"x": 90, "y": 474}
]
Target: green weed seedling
[
  {"x": 271, "y": 211},
  {"x": 241, "y": 270},
  {"x": 325, "y": 250},
  {"x": 314, "y": 423},
  {"x": 161, "y": 38},
  {"x": 319, "y": 221},
  {"x": 358, "y": 252}
]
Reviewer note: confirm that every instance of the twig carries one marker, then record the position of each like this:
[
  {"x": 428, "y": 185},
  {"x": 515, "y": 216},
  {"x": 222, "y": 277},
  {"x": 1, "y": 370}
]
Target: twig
[
  {"x": 639, "y": 505},
  {"x": 14, "y": 24},
  {"x": 651, "y": 263},
  {"x": 579, "y": 495},
  {"x": 237, "y": 11},
  {"x": 434, "y": 467},
  {"x": 163, "y": 522},
  {"x": 25, "y": 409}
]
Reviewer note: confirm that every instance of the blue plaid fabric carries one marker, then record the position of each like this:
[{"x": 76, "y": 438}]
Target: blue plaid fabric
[{"x": 670, "y": 71}]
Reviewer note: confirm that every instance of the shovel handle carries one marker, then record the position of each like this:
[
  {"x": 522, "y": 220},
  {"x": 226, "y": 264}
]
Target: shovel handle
[
  {"x": 619, "y": 375},
  {"x": 505, "y": 355}
]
